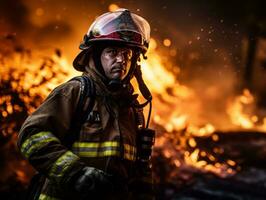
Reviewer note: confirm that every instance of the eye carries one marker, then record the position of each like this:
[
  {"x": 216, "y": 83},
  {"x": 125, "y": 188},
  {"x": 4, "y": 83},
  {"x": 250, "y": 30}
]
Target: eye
[
  {"x": 127, "y": 53},
  {"x": 111, "y": 52}
]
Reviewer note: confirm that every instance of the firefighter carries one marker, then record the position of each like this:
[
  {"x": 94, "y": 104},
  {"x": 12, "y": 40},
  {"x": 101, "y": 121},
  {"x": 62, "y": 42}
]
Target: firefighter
[{"x": 104, "y": 158}]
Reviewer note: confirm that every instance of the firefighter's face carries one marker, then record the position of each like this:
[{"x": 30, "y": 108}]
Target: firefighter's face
[{"x": 116, "y": 62}]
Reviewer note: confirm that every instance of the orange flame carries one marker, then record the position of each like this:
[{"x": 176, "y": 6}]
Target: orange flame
[
  {"x": 171, "y": 103},
  {"x": 236, "y": 112}
]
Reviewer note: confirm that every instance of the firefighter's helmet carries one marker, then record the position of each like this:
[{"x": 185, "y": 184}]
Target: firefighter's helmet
[{"x": 120, "y": 27}]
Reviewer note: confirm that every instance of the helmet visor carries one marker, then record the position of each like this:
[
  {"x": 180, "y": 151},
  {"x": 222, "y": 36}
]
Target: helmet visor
[{"x": 121, "y": 21}]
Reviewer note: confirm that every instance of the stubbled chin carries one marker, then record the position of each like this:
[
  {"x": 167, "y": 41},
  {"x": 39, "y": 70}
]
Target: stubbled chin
[{"x": 117, "y": 75}]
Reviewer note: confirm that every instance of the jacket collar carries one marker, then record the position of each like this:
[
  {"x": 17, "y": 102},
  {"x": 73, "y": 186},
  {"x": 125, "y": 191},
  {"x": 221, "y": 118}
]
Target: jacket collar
[{"x": 124, "y": 95}]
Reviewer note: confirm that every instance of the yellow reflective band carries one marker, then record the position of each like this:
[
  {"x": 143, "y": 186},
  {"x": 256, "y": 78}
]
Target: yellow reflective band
[
  {"x": 99, "y": 154},
  {"x": 36, "y": 142},
  {"x": 96, "y": 144},
  {"x": 109, "y": 148},
  {"x": 62, "y": 164},
  {"x": 46, "y": 197}
]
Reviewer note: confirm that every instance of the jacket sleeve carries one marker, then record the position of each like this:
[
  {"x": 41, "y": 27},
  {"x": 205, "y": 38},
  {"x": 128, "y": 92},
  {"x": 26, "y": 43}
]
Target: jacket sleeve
[{"x": 41, "y": 135}]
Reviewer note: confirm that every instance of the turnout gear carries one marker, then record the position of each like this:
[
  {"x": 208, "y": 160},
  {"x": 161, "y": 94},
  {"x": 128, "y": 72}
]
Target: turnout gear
[
  {"x": 106, "y": 140},
  {"x": 104, "y": 148}
]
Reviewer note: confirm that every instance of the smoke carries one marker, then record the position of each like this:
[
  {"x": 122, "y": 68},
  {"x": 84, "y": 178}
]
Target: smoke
[
  {"x": 14, "y": 14},
  {"x": 16, "y": 21}
]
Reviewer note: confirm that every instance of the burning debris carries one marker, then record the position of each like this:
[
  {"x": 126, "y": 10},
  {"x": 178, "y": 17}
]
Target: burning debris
[
  {"x": 183, "y": 149},
  {"x": 186, "y": 147},
  {"x": 24, "y": 83},
  {"x": 192, "y": 148},
  {"x": 241, "y": 112}
]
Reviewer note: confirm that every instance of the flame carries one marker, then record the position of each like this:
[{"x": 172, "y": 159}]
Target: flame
[
  {"x": 177, "y": 108},
  {"x": 26, "y": 79},
  {"x": 175, "y": 105},
  {"x": 238, "y": 116},
  {"x": 178, "y": 124},
  {"x": 167, "y": 115},
  {"x": 113, "y": 7},
  {"x": 220, "y": 169}
]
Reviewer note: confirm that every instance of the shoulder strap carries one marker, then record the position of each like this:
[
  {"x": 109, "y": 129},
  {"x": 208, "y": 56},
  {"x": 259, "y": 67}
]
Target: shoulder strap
[
  {"x": 139, "y": 116},
  {"x": 86, "y": 99},
  {"x": 84, "y": 107}
]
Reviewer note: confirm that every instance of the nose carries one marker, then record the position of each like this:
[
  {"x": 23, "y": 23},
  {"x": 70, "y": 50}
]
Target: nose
[{"x": 120, "y": 57}]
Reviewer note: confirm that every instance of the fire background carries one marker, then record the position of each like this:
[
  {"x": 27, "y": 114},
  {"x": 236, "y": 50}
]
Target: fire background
[{"x": 206, "y": 68}]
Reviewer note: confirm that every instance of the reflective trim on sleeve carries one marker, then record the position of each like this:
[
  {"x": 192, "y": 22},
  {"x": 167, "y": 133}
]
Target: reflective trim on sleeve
[
  {"x": 46, "y": 197},
  {"x": 61, "y": 165},
  {"x": 96, "y": 144},
  {"x": 36, "y": 142},
  {"x": 103, "y": 149}
]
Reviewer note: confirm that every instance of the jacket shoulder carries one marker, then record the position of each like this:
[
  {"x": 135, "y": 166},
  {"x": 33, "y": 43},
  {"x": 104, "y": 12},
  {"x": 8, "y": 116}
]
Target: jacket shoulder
[{"x": 67, "y": 89}]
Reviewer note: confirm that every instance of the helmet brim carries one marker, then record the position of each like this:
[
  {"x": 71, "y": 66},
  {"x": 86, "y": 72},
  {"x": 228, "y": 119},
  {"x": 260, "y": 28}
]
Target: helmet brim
[
  {"x": 82, "y": 59},
  {"x": 118, "y": 42}
]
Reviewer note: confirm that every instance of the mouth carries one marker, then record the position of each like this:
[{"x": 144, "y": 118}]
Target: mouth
[{"x": 118, "y": 70}]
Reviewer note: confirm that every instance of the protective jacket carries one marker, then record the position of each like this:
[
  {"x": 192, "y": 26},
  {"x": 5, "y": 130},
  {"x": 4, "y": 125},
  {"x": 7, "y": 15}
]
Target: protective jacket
[{"x": 106, "y": 140}]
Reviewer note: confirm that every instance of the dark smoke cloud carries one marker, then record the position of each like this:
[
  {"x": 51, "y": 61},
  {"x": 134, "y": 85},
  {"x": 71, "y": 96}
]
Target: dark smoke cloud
[
  {"x": 53, "y": 31},
  {"x": 15, "y": 14},
  {"x": 15, "y": 20}
]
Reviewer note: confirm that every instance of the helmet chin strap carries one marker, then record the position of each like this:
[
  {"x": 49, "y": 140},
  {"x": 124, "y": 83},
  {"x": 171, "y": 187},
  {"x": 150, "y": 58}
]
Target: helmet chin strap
[{"x": 144, "y": 91}]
